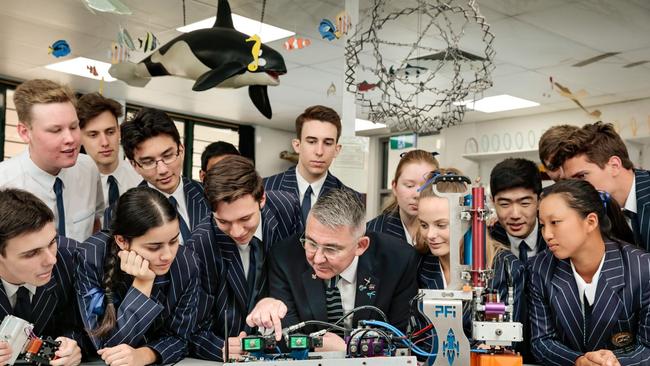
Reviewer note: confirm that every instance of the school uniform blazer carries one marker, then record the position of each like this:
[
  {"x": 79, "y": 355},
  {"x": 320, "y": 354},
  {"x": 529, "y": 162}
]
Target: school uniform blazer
[
  {"x": 622, "y": 304},
  {"x": 430, "y": 277},
  {"x": 389, "y": 223},
  {"x": 54, "y": 307},
  {"x": 498, "y": 233},
  {"x": 286, "y": 181},
  {"x": 162, "y": 321},
  {"x": 223, "y": 282},
  {"x": 197, "y": 204},
  {"x": 643, "y": 208},
  {"x": 389, "y": 264}
]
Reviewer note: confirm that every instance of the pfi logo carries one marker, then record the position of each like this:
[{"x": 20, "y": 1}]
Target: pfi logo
[{"x": 448, "y": 311}]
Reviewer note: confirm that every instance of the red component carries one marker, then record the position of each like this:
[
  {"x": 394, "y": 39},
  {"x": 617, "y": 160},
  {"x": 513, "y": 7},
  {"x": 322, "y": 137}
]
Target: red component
[
  {"x": 478, "y": 234},
  {"x": 34, "y": 346}
]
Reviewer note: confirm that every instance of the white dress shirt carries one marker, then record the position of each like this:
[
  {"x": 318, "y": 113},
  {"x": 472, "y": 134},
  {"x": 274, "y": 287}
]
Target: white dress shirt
[
  {"x": 12, "y": 289},
  {"x": 531, "y": 241},
  {"x": 245, "y": 249},
  {"x": 315, "y": 187},
  {"x": 125, "y": 176},
  {"x": 630, "y": 203},
  {"x": 179, "y": 195},
  {"x": 587, "y": 289},
  {"x": 83, "y": 199},
  {"x": 347, "y": 286}
]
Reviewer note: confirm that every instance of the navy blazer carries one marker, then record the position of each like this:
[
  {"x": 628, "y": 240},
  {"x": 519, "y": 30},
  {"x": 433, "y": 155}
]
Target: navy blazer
[
  {"x": 430, "y": 277},
  {"x": 162, "y": 321},
  {"x": 622, "y": 304},
  {"x": 642, "y": 225},
  {"x": 54, "y": 306},
  {"x": 197, "y": 203},
  {"x": 389, "y": 264},
  {"x": 389, "y": 223},
  {"x": 287, "y": 182},
  {"x": 224, "y": 283}
]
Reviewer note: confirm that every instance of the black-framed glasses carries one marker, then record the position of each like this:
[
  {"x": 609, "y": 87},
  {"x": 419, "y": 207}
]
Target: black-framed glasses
[{"x": 166, "y": 159}]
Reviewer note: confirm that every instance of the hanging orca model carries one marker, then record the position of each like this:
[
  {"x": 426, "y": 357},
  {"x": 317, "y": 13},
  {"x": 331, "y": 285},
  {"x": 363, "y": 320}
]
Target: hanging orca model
[{"x": 214, "y": 57}]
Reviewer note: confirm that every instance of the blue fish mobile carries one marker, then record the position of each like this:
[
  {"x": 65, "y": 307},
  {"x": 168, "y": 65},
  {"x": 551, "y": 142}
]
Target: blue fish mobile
[{"x": 59, "y": 48}]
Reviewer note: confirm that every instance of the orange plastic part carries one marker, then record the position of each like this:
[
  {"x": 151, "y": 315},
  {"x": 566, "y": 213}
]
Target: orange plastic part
[
  {"x": 34, "y": 346},
  {"x": 481, "y": 359}
]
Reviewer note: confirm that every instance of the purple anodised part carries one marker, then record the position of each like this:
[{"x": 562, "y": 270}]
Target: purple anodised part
[{"x": 495, "y": 308}]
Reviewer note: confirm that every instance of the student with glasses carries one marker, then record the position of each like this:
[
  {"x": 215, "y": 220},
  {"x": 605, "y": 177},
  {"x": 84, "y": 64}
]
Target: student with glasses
[
  {"x": 334, "y": 267},
  {"x": 153, "y": 145},
  {"x": 399, "y": 218}
]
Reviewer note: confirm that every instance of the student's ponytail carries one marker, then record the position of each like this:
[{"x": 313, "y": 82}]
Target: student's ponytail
[{"x": 111, "y": 276}]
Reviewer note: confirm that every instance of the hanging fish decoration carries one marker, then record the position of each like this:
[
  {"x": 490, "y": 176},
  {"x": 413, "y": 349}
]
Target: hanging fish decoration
[
  {"x": 343, "y": 24},
  {"x": 119, "y": 53},
  {"x": 107, "y": 6},
  {"x": 295, "y": 43},
  {"x": 327, "y": 29},
  {"x": 59, "y": 48},
  {"x": 148, "y": 43},
  {"x": 365, "y": 86},
  {"x": 124, "y": 38}
]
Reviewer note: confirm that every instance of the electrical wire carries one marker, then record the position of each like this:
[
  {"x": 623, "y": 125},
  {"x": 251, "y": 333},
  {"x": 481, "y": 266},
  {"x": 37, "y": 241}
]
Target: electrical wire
[{"x": 396, "y": 331}]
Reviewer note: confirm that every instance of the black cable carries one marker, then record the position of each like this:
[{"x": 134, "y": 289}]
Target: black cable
[
  {"x": 363, "y": 307},
  {"x": 321, "y": 323}
]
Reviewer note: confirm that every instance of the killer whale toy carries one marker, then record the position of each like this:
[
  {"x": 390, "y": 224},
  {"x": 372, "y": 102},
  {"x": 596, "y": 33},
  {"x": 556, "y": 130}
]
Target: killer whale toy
[{"x": 213, "y": 57}]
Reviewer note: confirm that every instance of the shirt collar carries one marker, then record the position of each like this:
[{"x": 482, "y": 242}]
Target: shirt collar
[
  {"x": 350, "y": 274},
  {"x": 11, "y": 289},
  {"x": 179, "y": 193},
  {"x": 587, "y": 289},
  {"x": 315, "y": 186},
  {"x": 630, "y": 202},
  {"x": 39, "y": 175},
  {"x": 531, "y": 239},
  {"x": 258, "y": 235}
]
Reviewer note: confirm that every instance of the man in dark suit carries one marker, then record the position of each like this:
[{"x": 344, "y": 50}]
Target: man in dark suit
[
  {"x": 318, "y": 130},
  {"x": 153, "y": 145},
  {"x": 334, "y": 268},
  {"x": 234, "y": 247},
  {"x": 37, "y": 275},
  {"x": 597, "y": 154}
]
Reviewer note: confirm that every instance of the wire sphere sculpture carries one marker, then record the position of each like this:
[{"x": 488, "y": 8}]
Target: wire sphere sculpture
[{"x": 411, "y": 67}]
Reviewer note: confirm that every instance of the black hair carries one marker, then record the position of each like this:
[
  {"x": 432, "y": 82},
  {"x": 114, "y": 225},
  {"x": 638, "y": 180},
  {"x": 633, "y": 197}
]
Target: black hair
[
  {"x": 137, "y": 210},
  {"x": 515, "y": 173},
  {"x": 147, "y": 123},
  {"x": 216, "y": 149},
  {"x": 21, "y": 213},
  {"x": 582, "y": 197}
]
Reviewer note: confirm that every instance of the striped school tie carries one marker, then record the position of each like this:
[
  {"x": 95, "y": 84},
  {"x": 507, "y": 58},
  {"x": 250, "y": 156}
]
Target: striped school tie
[{"x": 333, "y": 301}]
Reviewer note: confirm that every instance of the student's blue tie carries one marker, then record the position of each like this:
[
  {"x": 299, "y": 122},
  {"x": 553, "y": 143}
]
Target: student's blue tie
[
  {"x": 306, "y": 204},
  {"x": 60, "y": 210},
  {"x": 113, "y": 190},
  {"x": 23, "y": 306},
  {"x": 523, "y": 252},
  {"x": 254, "y": 258},
  {"x": 185, "y": 230}
]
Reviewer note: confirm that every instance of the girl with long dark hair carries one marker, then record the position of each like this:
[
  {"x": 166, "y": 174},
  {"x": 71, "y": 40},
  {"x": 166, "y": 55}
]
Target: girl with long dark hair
[{"x": 136, "y": 287}]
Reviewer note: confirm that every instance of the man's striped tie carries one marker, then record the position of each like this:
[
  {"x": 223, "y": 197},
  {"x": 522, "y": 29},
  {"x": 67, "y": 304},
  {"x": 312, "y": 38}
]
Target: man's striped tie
[{"x": 333, "y": 301}]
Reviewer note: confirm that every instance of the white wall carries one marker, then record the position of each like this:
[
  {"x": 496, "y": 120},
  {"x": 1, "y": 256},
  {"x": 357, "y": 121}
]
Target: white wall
[{"x": 269, "y": 142}]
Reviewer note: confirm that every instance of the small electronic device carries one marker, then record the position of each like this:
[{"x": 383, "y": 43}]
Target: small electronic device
[{"x": 25, "y": 344}]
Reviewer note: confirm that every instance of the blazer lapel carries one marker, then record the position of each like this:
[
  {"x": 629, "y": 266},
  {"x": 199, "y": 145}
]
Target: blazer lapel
[
  {"x": 541, "y": 243},
  {"x": 330, "y": 183},
  {"x": 289, "y": 182},
  {"x": 5, "y": 306},
  {"x": 44, "y": 303},
  {"x": 608, "y": 304},
  {"x": 367, "y": 288},
  {"x": 315, "y": 291},
  {"x": 235, "y": 272},
  {"x": 566, "y": 304},
  {"x": 643, "y": 206}
]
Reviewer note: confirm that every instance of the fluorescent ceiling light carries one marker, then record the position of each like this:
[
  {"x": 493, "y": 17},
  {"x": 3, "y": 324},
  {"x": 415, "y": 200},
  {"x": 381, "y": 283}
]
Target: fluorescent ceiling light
[
  {"x": 498, "y": 103},
  {"x": 267, "y": 33},
  {"x": 81, "y": 66},
  {"x": 364, "y": 125}
]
